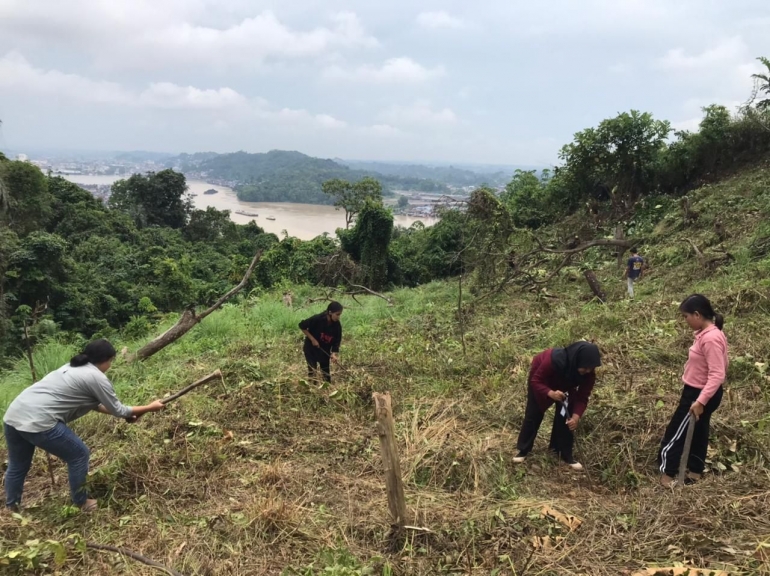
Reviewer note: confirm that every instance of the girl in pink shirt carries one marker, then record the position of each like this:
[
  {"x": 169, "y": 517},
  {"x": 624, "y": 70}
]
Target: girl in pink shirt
[{"x": 703, "y": 377}]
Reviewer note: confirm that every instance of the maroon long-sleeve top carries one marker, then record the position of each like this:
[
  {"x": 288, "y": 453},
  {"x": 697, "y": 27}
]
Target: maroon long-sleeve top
[{"x": 543, "y": 378}]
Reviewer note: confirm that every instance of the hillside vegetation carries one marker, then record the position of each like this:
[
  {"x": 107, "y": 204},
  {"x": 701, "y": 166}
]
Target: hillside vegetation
[{"x": 266, "y": 473}]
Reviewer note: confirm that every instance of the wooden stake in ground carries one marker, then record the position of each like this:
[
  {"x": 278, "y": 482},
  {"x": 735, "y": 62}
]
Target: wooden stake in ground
[
  {"x": 386, "y": 432},
  {"x": 596, "y": 288},
  {"x": 189, "y": 319},
  {"x": 686, "y": 450},
  {"x": 620, "y": 236}
]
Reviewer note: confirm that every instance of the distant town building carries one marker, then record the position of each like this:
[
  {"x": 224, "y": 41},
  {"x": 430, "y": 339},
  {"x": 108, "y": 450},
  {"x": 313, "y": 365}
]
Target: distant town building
[{"x": 22, "y": 157}]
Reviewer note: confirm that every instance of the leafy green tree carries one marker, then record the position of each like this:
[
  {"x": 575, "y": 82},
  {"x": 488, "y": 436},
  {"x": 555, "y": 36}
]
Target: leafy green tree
[
  {"x": 367, "y": 242},
  {"x": 293, "y": 260},
  {"x": 420, "y": 254},
  {"x": 211, "y": 225},
  {"x": 9, "y": 243},
  {"x": 403, "y": 201},
  {"x": 352, "y": 196},
  {"x": 154, "y": 199},
  {"x": 526, "y": 197},
  {"x": 617, "y": 160},
  {"x": 26, "y": 202},
  {"x": 38, "y": 268},
  {"x": 485, "y": 236}
]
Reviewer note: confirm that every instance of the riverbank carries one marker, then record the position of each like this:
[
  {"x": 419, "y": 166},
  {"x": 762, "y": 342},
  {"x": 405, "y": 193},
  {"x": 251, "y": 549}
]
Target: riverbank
[{"x": 303, "y": 221}]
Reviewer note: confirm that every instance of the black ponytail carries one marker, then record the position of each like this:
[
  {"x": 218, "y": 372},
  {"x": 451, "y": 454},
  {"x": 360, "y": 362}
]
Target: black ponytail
[
  {"x": 95, "y": 352},
  {"x": 700, "y": 304}
]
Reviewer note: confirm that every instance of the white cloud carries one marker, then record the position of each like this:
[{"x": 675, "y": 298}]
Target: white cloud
[
  {"x": 168, "y": 95},
  {"x": 328, "y": 121},
  {"x": 383, "y": 130},
  {"x": 727, "y": 51},
  {"x": 146, "y": 34},
  {"x": 439, "y": 19},
  {"x": 419, "y": 113},
  {"x": 720, "y": 74},
  {"x": 17, "y": 73},
  {"x": 393, "y": 71},
  {"x": 290, "y": 114},
  {"x": 619, "y": 68},
  {"x": 249, "y": 42}
]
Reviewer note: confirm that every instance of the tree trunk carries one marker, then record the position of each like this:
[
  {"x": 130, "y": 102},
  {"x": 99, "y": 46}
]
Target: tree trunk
[
  {"x": 596, "y": 288},
  {"x": 689, "y": 215},
  {"x": 390, "y": 462},
  {"x": 619, "y": 236},
  {"x": 189, "y": 319}
]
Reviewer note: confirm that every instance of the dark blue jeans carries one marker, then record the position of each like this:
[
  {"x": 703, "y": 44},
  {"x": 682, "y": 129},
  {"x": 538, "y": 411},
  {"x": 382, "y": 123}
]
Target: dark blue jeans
[{"x": 59, "y": 441}]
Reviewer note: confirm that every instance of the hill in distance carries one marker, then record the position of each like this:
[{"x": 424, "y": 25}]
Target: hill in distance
[
  {"x": 290, "y": 176},
  {"x": 450, "y": 174}
]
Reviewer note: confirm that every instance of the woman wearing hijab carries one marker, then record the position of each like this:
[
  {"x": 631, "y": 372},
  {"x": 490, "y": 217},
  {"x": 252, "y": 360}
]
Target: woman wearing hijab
[
  {"x": 323, "y": 335},
  {"x": 564, "y": 376},
  {"x": 38, "y": 418}
]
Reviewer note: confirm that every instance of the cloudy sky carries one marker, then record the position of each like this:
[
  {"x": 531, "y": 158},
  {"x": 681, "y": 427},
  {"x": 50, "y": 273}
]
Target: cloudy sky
[{"x": 503, "y": 81}]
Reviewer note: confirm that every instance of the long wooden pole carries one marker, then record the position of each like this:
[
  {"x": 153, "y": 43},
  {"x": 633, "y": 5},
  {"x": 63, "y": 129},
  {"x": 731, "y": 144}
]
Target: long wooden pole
[
  {"x": 213, "y": 376},
  {"x": 390, "y": 462}
]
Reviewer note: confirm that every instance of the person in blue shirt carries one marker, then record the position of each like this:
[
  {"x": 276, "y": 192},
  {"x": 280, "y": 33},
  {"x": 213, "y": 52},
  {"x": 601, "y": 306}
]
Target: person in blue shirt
[{"x": 633, "y": 270}]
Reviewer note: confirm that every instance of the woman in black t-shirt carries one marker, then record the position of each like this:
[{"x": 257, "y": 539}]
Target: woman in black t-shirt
[{"x": 323, "y": 335}]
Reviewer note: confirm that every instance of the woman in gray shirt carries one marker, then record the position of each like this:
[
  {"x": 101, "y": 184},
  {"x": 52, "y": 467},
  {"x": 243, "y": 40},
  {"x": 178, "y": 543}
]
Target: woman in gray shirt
[{"x": 38, "y": 418}]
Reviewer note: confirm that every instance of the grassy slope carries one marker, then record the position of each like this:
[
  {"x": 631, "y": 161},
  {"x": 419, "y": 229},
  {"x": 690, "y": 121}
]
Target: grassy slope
[{"x": 300, "y": 482}]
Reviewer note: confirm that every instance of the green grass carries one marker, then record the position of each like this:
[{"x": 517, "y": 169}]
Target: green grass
[{"x": 267, "y": 473}]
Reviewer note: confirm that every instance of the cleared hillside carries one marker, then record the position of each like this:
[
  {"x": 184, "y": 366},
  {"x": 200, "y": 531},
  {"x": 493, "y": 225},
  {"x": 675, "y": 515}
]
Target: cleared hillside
[{"x": 268, "y": 474}]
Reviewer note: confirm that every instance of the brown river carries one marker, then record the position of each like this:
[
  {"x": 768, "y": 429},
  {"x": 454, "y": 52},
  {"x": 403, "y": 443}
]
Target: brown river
[{"x": 304, "y": 221}]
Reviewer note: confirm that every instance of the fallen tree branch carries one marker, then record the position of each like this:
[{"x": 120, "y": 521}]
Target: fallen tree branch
[
  {"x": 350, "y": 293},
  {"x": 365, "y": 290},
  {"x": 710, "y": 262},
  {"x": 524, "y": 265},
  {"x": 189, "y": 319},
  {"x": 133, "y": 555},
  {"x": 620, "y": 242},
  {"x": 698, "y": 253}
]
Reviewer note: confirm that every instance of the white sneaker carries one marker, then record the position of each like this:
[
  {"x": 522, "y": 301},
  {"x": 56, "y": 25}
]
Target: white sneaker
[
  {"x": 519, "y": 459},
  {"x": 577, "y": 466}
]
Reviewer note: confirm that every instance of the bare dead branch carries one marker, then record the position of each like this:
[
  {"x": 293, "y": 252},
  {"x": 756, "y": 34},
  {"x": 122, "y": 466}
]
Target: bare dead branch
[
  {"x": 189, "y": 319},
  {"x": 134, "y": 556}
]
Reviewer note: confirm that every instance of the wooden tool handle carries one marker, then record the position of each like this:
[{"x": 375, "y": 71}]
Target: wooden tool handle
[
  {"x": 201, "y": 382},
  {"x": 686, "y": 450}
]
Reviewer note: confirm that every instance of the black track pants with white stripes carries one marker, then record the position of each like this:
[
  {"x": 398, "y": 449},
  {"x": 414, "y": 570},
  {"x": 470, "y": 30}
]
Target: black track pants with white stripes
[{"x": 672, "y": 445}]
